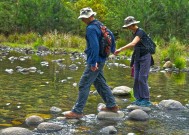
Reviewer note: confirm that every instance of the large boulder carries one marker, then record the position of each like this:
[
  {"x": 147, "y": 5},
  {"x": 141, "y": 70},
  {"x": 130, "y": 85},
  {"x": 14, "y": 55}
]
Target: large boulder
[
  {"x": 170, "y": 104},
  {"x": 168, "y": 64}
]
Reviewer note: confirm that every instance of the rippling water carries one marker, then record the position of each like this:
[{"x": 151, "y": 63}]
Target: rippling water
[{"x": 23, "y": 95}]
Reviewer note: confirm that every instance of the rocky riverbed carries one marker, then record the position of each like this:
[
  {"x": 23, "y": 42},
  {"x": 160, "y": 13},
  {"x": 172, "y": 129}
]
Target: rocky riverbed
[{"x": 163, "y": 117}]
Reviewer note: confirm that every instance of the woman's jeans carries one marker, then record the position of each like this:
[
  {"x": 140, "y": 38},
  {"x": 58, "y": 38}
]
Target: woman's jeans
[
  {"x": 142, "y": 69},
  {"x": 97, "y": 78}
]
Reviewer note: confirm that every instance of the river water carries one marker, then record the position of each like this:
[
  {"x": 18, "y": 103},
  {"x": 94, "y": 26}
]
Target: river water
[{"x": 51, "y": 83}]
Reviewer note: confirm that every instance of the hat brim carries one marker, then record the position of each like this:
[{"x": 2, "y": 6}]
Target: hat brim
[
  {"x": 87, "y": 16},
  {"x": 125, "y": 26}
]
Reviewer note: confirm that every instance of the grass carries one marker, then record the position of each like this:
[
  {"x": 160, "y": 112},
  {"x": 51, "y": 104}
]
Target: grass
[
  {"x": 132, "y": 98},
  {"x": 52, "y": 40},
  {"x": 175, "y": 50}
]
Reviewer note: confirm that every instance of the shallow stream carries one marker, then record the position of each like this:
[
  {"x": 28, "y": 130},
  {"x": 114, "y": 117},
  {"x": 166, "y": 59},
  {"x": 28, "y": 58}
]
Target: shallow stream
[{"x": 51, "y": 82}]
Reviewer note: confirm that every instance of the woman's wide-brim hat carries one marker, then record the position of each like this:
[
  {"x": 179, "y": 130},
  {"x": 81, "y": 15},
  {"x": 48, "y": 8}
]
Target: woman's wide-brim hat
[
  {"x": 86, "y": 13},
  {"x": 130, "y": 20}
]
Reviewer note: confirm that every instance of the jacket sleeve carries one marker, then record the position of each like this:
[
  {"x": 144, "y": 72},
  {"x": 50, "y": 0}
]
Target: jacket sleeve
[{"x": 93, "y": 42}]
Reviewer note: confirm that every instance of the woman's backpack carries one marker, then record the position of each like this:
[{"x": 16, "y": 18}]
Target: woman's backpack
[{"x": 149, "y": 44}]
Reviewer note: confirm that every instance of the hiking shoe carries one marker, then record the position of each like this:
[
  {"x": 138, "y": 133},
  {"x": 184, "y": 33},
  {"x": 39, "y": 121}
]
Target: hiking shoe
[
  {"x": 145, "y": 103},
  {"x": 73, "y": 115},
  {"x": 136, "y": 102},
  {"x": 110, "y": 109}
]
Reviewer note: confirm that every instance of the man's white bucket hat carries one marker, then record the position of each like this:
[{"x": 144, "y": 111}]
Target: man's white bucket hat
[{"x": 86, "y": 13}]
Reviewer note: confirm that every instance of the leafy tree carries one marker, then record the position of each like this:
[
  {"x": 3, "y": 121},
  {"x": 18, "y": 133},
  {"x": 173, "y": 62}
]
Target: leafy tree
[
  {"x": 7, "y": 19},
  {"x": 43, "y": 16},
  {"x": 164, "y": 18}
]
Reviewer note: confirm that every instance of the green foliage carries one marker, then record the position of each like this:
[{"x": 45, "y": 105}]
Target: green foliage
[
  {"x": 53, "y": 40},
  {"x": 38, "y": 42},
  {"x": 23, "y": 38},
  {"x": 164, "y": 19},
  {"x": 180, "y": 62},
  {"x": 3, "y": 38},
  {"x": 39, "y": 16},
  {"x": 119, "y": 43},
  {"x": 13, "y": 38},
  {"x": 160, "y": 42},
  {"x": 180, "y": 78},
  {"x": 164, "y": 54},
  {"x": 7, "y": 18},
  {"x": 176, "y": 49},
  {"x": 132, "y": 98},
  {"x": 27, "y": 38},
  {"x": 56, "y": 40}
]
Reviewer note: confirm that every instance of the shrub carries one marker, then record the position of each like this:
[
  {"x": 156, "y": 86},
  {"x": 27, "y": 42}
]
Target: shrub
[
  {"x": 176, "y": 49},
  {"x": 38, "y": 42},
  {"x": 163, "y": 54},
  {"x": 13, "y": 38},
  {"x": 120, "y": 42},
  {"x": 65, "y": 41},
  {"x": 27, "y": 38},
  {"x": 180, "y": 62},
  {"x": 2, "y": 38}
]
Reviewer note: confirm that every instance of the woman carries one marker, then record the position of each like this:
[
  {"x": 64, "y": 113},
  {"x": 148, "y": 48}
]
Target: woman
[{"x": 141, "y": 62}]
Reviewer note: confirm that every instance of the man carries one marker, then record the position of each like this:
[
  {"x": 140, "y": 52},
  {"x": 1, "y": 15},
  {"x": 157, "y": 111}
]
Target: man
[{"x": 93, "y": 73}]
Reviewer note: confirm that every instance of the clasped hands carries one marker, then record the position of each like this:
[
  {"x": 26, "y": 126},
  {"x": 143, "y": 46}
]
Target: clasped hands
[{"x": 117, "y": 51}]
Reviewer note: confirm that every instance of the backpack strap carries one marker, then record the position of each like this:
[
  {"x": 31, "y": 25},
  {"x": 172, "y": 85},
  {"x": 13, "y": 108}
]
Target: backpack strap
[{"x": 104, "y": 31}]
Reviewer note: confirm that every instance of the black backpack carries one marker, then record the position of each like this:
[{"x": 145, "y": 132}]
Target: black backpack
[
  {"x": 106, "y": 40},
  {"x": 148, "y": 43}
]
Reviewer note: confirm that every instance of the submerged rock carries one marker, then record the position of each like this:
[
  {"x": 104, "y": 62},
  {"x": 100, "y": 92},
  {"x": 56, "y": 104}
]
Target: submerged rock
[
  {"x": 134, "y": 107},
  {"x": 33, "y": 120},
  {"x": 44, "y": 63},
  {"x": 110, "y": 115},
  {"x": 73, "y": 67},
  {"x": 10, "y": 71},
  {"x": 42, "y": 48},
  {"x": 46, "y": 127},
  {"x": 56, "y": 110},
  {"x": 15, "y": 131},
  {"x": 108, "y": 130},
  {"x": 131, "y": 134}
]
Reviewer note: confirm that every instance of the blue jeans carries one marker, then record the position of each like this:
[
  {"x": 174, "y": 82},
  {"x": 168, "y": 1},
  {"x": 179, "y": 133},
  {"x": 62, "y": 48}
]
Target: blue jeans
[
  {"x": 141, "y": 72},
  {"x": 97, "y": 78}
]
